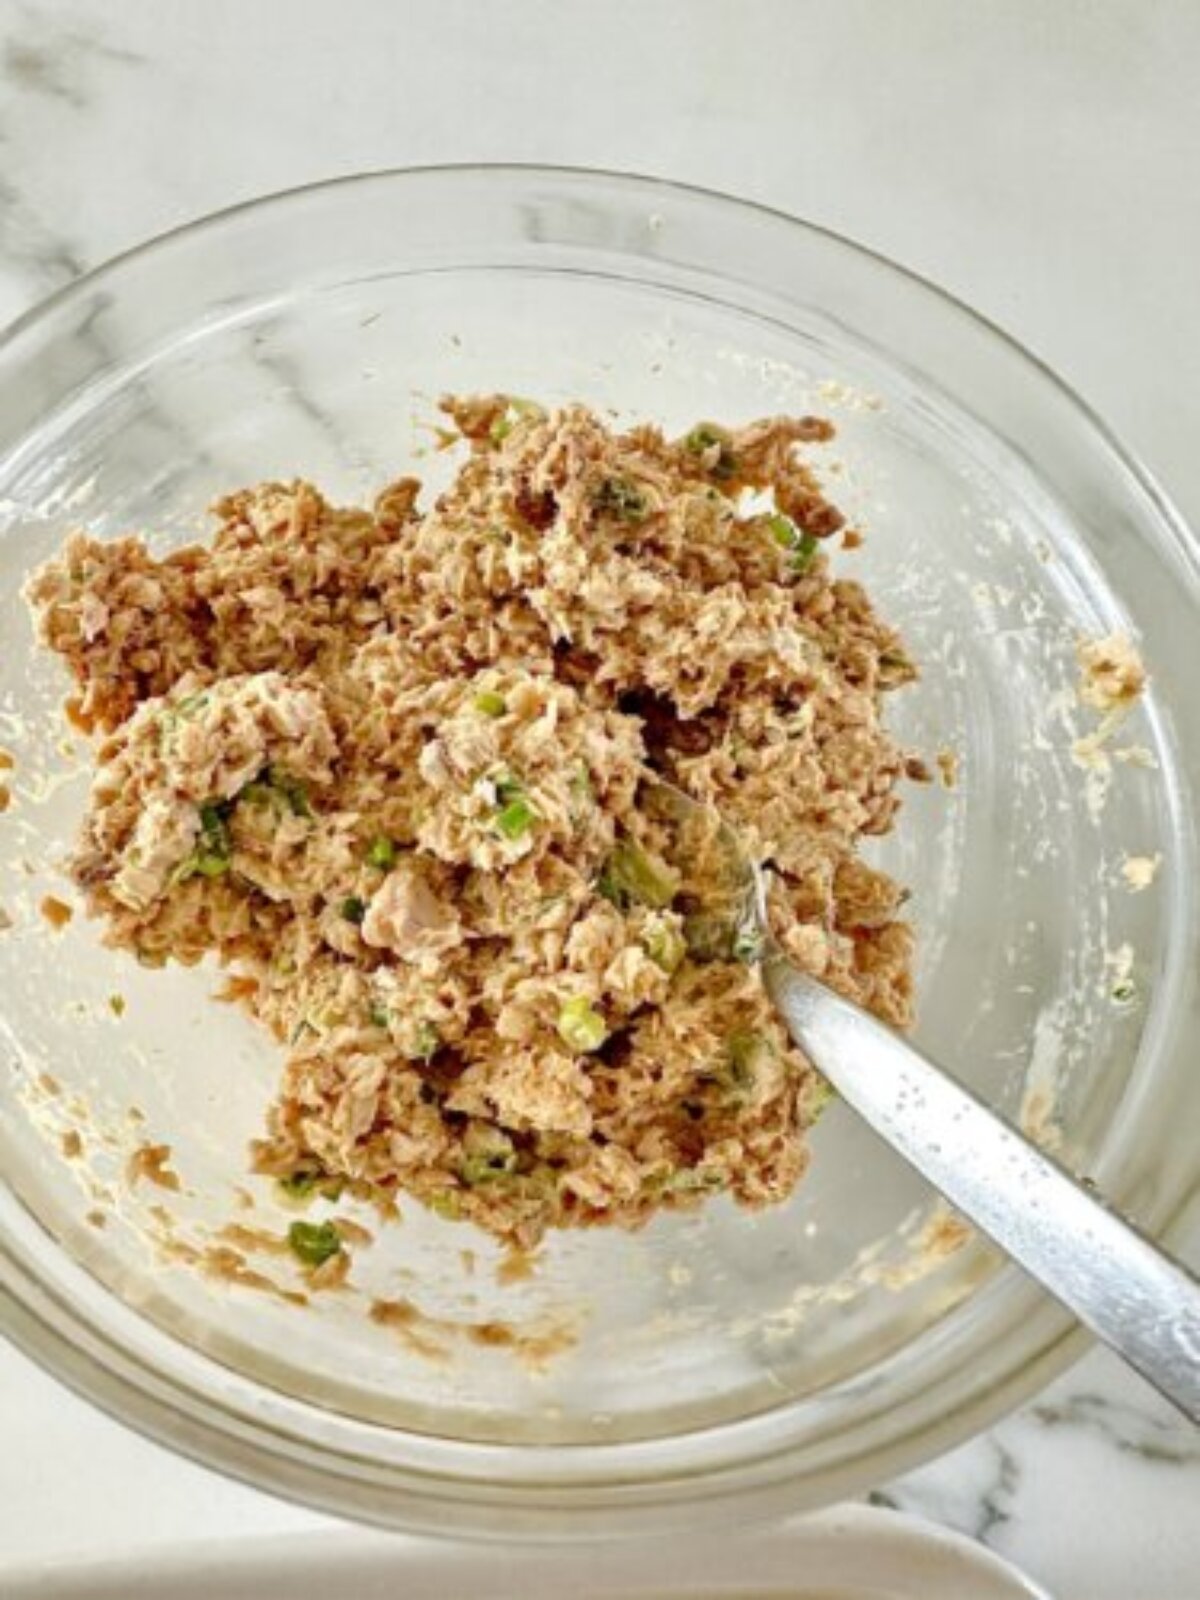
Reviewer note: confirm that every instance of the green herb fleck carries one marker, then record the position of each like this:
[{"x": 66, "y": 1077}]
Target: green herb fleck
[
  {"x": 354, "y": 909},
  {"x": 182, "y": 711},
  {"x": 379, "y": 1016},
  {"x": 1123, "y": 992},
  {"x": 446, "y": 1203},
  {"x": 381, "y": 853},
  {"x": 581, "y": 1026},
  {"x": 314, "y": 1242},
  {"x": 632, "y": 875},
  {"x": 583, "y": 794},
  {"x": 191, "y": 703},
  {"x": 490, "y": 704}
]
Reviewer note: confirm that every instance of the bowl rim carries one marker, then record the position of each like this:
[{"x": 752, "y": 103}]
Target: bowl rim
[
  {"x": 55, "y": 1334},
  {"x": 47, "y": 304}
]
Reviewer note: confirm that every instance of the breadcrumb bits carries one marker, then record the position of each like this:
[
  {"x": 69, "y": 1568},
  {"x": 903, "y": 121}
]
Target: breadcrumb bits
[
  {"x": 1111, "y": 674},
  {"x": 150, "y": 1161},
  {"x": 56, "y": 912},
  {"x": 1139, "y": 872},
  {"x": 947, "y": 765}
]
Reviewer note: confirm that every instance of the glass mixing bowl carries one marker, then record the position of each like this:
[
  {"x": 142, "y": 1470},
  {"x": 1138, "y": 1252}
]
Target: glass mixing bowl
[{"x": 712, "y": 1363}]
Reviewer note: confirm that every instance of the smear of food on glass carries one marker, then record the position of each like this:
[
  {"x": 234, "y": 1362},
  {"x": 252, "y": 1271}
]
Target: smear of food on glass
[{"x": 385, "y": 764}]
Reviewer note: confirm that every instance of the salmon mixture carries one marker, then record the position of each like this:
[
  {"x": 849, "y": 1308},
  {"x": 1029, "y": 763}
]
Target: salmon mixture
[{"x": 386, "y": 764}]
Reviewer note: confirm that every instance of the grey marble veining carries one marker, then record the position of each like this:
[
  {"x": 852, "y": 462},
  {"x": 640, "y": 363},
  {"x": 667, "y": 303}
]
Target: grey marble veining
[
  {"x": 1093, "y": 1488},
  {"x": 50, "y": 71},
  {"x": 1038, "y": 160}
]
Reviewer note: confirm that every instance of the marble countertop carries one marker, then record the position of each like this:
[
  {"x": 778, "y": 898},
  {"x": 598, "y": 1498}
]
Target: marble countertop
[{"x": 1039, "y": 161}]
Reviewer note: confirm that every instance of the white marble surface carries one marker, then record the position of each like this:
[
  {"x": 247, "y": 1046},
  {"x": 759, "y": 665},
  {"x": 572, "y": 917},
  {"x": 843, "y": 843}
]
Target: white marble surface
[{"x": 1038, "y": 160}]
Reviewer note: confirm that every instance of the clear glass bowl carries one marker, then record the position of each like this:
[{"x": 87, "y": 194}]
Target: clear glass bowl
[{"x": 724, "y": 1361}]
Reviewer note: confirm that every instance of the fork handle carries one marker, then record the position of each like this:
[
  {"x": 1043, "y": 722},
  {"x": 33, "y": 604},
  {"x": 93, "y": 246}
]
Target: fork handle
[{"x": 1131, "y": 1294}]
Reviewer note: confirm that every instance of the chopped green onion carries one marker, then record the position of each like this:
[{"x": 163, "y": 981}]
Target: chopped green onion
[
  {"x": 710, "y": 936},
  {"x": 378, "y": 1016},
  {"x": 354, "y": 909},
  {"x": 748, "y": 944},
  {"x": 490, "y": 704},
  {"x": 517, "y": 410},
  {"x": 314, "y": 1242},
  {"x": 802, "y": 556},
  {"x": 299, "y": 1185},
  {"x": 446, "y": 1203},
  {"x": 183, "y": 710},
  {"x": 746, "y": 1054},
  {"x": 292, "y": 790},
  {"x": 274, "y": 786},
  {"x": 895, "y": 668},
  {"x": 664, "y": 943},
  {"x": 382, "y": 853},
  {"x": 704, "y": 438},
  {"x": 746, "y": 1050},
  {"x": 516, "y": 819},
  {"x": 1123, "y": 992},
  {"x": 632, "y": 874},
  {"x": 581, "y": 1026},
  {"x": 214, "y": 829},
  {"x": 622, "y": 499},
  {"x": 487, "y": 1166},
  {"x": 211, "y": 857},
  {"x": 583, "y": 795},
  {"x": 801, "y": 544},
  {"x": 820, "y": 1098},
  {"x": 695, "y": 1180},
  {"x": 425, "y": 1042},
  {"x": 209, "y": 865},
  {"x": 514, "y": 815}
]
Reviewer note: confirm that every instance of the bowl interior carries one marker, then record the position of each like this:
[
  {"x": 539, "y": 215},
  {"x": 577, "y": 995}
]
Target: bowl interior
[{"x": 1041, "y": 975}]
